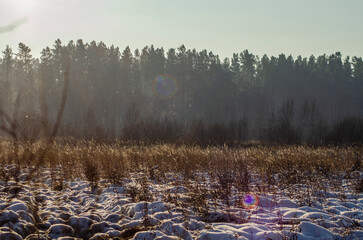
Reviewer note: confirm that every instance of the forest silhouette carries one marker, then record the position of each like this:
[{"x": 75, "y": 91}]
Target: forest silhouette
[{"x": 183, "y": 95}]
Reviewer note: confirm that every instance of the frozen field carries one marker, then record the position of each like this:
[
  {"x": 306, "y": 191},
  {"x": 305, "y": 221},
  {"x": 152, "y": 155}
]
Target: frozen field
[{"x": 173, "y": 209}]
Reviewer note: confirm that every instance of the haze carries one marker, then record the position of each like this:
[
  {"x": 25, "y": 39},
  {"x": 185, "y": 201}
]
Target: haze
[{"x": 224, "y": 27}]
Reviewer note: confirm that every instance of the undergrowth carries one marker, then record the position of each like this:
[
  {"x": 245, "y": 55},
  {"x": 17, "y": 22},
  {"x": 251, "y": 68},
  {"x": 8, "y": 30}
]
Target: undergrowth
[{"x": 211, "y": 178}]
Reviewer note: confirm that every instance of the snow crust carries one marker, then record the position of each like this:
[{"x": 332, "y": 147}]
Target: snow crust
[{"x": 79, "y": 212}]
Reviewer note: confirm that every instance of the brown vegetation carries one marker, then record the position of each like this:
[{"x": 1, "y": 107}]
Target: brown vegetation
[{"x": 232, "y": 169}]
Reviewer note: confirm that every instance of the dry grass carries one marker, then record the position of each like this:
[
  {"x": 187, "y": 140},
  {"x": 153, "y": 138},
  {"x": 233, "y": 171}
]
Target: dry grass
[
  {"x": 118, "y": 160},
  {"x": 212, "y": 175},
  {"x": 212, "y": 179}
]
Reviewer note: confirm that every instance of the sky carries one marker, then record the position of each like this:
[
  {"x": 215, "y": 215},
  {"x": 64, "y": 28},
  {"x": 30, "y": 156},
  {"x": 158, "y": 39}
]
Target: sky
[{"x": 297, "y": 27}]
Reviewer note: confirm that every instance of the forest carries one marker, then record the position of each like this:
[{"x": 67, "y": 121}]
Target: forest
[
  {"x": 181, "y": 95},
  {"x": 102, "y": 143}
]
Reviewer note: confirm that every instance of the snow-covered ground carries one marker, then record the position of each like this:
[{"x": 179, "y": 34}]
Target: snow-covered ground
[{"x": 35, "y": 211}]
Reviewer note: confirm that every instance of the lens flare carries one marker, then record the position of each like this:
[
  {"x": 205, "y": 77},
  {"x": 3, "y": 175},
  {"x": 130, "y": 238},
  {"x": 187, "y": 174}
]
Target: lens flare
[
  {"x": 164, "y": 86},
  {"x": 250, "y": 201}
]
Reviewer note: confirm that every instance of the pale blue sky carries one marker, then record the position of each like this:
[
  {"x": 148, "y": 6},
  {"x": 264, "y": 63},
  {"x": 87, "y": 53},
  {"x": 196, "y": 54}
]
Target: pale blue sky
[{"x": 294, "y": 27}]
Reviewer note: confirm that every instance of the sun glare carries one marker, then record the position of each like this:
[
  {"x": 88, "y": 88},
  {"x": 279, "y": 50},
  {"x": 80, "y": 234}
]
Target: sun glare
[{"x": 25, "y": 7}]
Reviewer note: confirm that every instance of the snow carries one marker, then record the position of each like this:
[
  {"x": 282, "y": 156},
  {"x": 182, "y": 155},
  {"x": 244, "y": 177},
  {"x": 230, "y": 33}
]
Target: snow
[
  {"x": 215, "y": 236},
  {"x": 77, "y": 212},
  {"x": 59, "y": 230},
  {"x": 10, "y": 235},
  {"x": 312, "y": 230}
]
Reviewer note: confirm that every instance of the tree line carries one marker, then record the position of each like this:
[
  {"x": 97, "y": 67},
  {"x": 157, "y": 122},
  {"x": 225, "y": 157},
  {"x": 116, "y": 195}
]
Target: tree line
[{"x": 183, "y": 94}]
